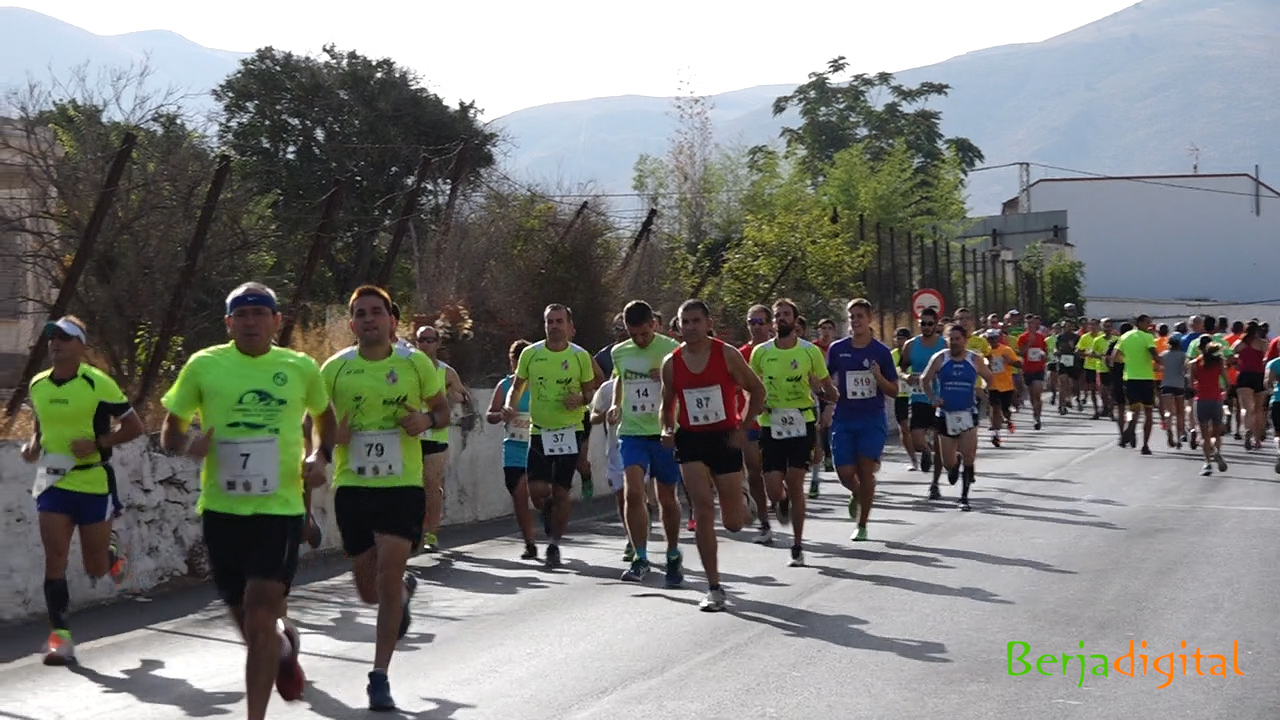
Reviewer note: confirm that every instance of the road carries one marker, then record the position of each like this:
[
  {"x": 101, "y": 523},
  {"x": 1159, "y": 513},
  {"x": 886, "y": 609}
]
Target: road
[{"x": 1071, "y": 540}]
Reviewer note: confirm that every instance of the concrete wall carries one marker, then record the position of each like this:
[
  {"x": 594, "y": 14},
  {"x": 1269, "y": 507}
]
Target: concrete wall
[
  {"x": 1180, "y": 237},
  {"x": 1174, "y": 311},
  {"x": 161, "y": 533}
]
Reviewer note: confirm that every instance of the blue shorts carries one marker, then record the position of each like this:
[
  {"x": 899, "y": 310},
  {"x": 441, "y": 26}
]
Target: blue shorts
[
  {"x": 851, "y": 441},
  {"x": 83, "y": 508},
  {"x": 753, "y": 435},
  {"x": 647, "y": 452}
]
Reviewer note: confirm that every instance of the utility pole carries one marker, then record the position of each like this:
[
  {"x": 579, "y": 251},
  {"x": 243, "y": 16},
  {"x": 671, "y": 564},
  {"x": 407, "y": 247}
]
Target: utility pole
[{"x": 1024, "y": 185}]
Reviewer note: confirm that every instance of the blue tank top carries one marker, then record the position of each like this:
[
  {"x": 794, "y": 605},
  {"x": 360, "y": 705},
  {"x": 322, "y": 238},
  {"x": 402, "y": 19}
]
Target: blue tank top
[
  {"x": 921, "y": 354},
  {"x": 514, "y": 452},
  {"x": 956, "y": 381}
]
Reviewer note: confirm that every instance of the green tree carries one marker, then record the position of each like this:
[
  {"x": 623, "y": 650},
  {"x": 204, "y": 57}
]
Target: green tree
[
  {"x": 1061, "y": 274},
  {"x": 298, "y": 122},
  {"x": 837, "y": 114}
]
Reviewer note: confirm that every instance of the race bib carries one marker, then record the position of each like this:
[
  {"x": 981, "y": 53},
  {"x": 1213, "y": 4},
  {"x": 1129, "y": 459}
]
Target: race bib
[
  {"x": 518, "y": 428},
  {"x": 51, "y": 469},
  {"x": 786, "y": 423},
  {"x": 1035, "y": 354},
  {"x": 958, "y": 421},
  {"x": 643, "y": 396},
  {"x": 904, "y": 387},
  {"x": 560, "y": 442},
  {"x": 250, "y": 466},
  {"x": 376, "y": 454},
  {"x": 997, "y": 365},
  {"x": 1067, "y": 360},
  {"x": 705, "y": 406},
  {"x": 859, "y": 384}
]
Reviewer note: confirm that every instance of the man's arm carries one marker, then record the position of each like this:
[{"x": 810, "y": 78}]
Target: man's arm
[
  {"x": 749, "y": 381},
  {"x": 667, "y": 405}
]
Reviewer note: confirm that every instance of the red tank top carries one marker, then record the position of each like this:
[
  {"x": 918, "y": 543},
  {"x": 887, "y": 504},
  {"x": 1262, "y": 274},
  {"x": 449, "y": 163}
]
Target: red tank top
[
  {"x": 1208, "y": 381},
  {"x": 709, "y": 393},
  {"x": 742, "y": 397},
  {"x": 1250, "y": 359}
]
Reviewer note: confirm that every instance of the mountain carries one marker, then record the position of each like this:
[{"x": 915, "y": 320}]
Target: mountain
[
  {"x": 1127, "y": 94},
  {"x": 33, "y": 45}
]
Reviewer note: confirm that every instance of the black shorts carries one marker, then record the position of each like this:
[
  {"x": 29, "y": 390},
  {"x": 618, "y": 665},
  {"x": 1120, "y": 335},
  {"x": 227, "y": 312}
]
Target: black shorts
[
  {"x": 363, "y": 512},
  {"x": 1140, "y": 392},
  {"x": 555, "y": 469},
  {"x": 709, "y": 448},
  {"x": 1105, "y": 379},
  {"x": 1003, "y": 399},
  {"x": 1174, "y": 391},
  {"x": 1034, "y": 377},
  {"x": 431, "y": 447},
  {"x": 1072, "y": 372},
  {"x": 923, "y": 416},
  {"x": 513, "y": 476},
  {"x": 1052, "y": 367},
  {"x": 788, "y": 453},
  {"x": 251, "y": 547},
  {"x": 1117, "y": 380},
  {"x": 902, "y": 408},
  {"x": 1251, "y": 381},
  {"x": 1275, "y": 415}
]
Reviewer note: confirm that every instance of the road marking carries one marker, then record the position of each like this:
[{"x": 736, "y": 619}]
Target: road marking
[{"x": 1249, "y": 508}]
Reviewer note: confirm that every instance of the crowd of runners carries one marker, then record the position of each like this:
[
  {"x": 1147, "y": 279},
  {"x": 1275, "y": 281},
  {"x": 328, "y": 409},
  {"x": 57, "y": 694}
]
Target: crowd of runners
[{"x": 684, "y": 414}]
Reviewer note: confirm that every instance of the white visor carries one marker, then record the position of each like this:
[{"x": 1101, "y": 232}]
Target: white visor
[{"x": 67, "y": 327}]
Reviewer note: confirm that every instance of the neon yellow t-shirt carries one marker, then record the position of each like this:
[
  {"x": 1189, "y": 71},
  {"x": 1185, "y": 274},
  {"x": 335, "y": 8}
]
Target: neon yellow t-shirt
[
  {"x": 552, "y": 376},
  {"x": 635, "y": 366},
  {"x": 441, "y": 370},
  {"x": 1100, "y": 345},
  {"x": 1136, "y": 346},
  {"x": 373, "y": 394},
  {"x": 786, "y": 374},
  {"x": 1085, "y": 347},
  {"x": 978, "y": 344},
  {"x": 67, "y": 410},
  {"x": 904, "y": 389},
  {"x": 255, "y": 406}
]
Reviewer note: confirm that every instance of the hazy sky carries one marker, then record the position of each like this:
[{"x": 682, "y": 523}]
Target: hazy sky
[{"x": 512, "y": 54}]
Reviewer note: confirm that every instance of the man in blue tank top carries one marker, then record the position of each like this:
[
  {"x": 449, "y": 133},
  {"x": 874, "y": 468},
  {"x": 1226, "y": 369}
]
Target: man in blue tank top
[
  {"x": 913, "y": 360},
  {"x": 956, "y": 373},
  {"x": 862, "y": 368}
]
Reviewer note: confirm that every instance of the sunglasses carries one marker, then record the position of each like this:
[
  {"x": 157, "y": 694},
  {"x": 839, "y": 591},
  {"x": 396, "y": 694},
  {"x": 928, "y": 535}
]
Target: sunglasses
[
  {"x": 756, "y": 321},
  {"x": 59, "y": 335},
  {"x": 928, "y": 324}
]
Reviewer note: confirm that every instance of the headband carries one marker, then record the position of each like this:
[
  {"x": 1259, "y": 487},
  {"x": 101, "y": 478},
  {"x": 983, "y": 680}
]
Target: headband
[{"x": 251, "y": 299}]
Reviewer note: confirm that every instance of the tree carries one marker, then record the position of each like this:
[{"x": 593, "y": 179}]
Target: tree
[
  {"x": 64, "y": 137},
  {"x": 298, "y": 122},
  {"x": 835, "y": 115},
  {"x": 1061, "y": 274}
]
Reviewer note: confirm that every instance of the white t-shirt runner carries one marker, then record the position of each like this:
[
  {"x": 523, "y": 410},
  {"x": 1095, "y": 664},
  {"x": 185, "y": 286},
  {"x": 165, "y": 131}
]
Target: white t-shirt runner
[{"x": 601, "y": 403}]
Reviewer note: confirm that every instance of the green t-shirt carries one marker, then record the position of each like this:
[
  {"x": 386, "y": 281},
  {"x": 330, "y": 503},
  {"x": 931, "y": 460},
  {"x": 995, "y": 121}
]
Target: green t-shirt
[
  {"x": 639, "y": 369},
  {"x": 552, "y": 376},
  {"x": 372, "y": 395},
  {"x": 441, "y": 370},
  {"x": 1137, "y": 347},
  {"x": 1085, "y": 347},
  {"x": 81, "y": 407},
  {"x": 1193, "y": 351},
  {"x": 1101, "y": 342},
  {"x": 786, "y": 374},
  {"x": 255, "y": 406}
]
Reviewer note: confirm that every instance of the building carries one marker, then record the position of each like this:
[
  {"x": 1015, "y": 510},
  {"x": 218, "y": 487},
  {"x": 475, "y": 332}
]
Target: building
[
  {"x": 1204, "y": 237},
  {"x": 20, "y": 317}
]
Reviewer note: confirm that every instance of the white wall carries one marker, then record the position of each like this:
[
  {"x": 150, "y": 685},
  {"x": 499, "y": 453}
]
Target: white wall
[
  {"x": 1173, "y": 311},
  {"x": 161, "y": 533},
  {"x": 1143, "y": 240}
]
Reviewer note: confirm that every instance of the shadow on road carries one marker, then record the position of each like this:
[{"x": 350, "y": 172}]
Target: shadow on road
[
  {"x": 151, "y": 689},
  {"x": 451, "y": 572},
  {"x": 980, "y": 557},
  {"x": 918, "y": 586},
  {"x": 328, "y": 706},
  {"x": 841, "y": 630}
]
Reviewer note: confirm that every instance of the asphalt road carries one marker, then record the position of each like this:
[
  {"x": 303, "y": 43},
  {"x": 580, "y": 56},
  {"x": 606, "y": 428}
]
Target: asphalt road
[{"x": 1072, "y": 540}]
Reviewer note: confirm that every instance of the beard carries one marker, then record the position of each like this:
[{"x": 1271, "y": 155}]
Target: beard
[{"x": 784, "y": 330}]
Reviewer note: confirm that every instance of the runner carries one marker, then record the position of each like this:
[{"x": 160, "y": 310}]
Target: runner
[
  {"x": 902, "y": 403},
  {"x": 1174, "y": 391},
  {"x": 1138, "y": 347},
  {"x": 1209, "y": 371},
  {"x": 251, "y": 397},
  {"x": 914, "y": 359},
  {"x": 1003, "y": 361},
  {"x": 1014, "y": 331},
  {"x": 1033, "y": 347},
  {"x": 702, "y": 378},
  {"x": 789, "y": 368},
  {"x": 1249, "y": 351},
  {"x": 957, "y": 371},
  {"x": 399, "y": 342},
  {"x": 515, "y": 449},
  {"x": 379, "y": 391},
  {"x": 73, "y": 404},
  {"x": 604, "y": 358},
  {"x": 1069, "y": 368},
  {"x": 1273, "y": 389},
  {"x": 637, "y": 367},
  {"x": 615, "y": 474},
  {"x": 1092, "y": 363},
  {"x": 864, "y": 375},
  {"x": 435, "y": 442},
  {"x": 760, "y": 329},
  {"x": 560, "y": 377}
]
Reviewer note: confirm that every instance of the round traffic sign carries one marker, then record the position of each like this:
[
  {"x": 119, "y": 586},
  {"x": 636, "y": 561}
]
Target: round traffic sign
[{"x": 926, "y": 298}]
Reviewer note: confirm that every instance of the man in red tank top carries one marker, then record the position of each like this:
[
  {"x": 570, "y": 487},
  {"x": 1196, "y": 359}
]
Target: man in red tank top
[
  {"x": 760, "y": 326},
  {"x": 701, "y": 382}
]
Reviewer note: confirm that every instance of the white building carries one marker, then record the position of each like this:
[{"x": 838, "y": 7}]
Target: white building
[{"x": 1205, "y": 237}]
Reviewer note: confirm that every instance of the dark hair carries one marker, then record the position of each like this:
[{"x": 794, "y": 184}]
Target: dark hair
[
  {"x": 1223, "y": 323},
  {"x": 802, "y": 321},
  {"x": 1238, "y": 326},
  {"x": 395, "y": 311},
  {"x": 366, "y": 291},
  {"x": 788, "y": 302},
  {"x": 1163, "y": 330},
  {"x": 674, "y": 324},
  {"x": 517, "y": 347},
  {"x": 927, "y": 311},
  {"x": 557, "y": 306},
  {"x": 1141, "y": 318},
  {"x": 637, "y": 313},
  {"x": 1251, "y": 331},
  {"x": 1126, "y": 327},
  {"x": 1180, "y": 327},
  {"x": 865, "y": 304},
  {"x": 694, "y": 304},
  {"x": 957, "y": 326},
  {"x": 768, "y": 313},
  {"x": 828, "y": 321},
  {"x": 903, "y": 331},
  {"x": 1210, "y": 325},
  {"x": 1210, "y": 350}
]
